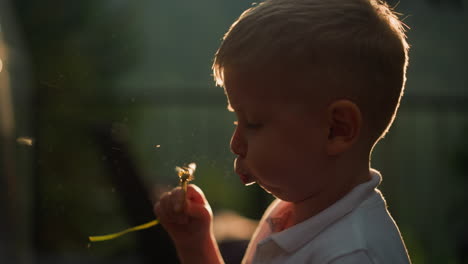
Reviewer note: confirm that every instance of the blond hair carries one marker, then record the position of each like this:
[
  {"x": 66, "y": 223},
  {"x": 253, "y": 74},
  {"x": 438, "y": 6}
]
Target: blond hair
[{"x": 358, "y": 46}]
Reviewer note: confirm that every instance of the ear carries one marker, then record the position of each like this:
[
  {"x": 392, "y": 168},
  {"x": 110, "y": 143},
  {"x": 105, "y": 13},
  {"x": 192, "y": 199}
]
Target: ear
[{"x": 345, "y": 121}]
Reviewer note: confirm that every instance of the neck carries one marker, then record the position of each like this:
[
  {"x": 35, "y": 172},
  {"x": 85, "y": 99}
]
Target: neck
[{"x": 345, "y": 178}]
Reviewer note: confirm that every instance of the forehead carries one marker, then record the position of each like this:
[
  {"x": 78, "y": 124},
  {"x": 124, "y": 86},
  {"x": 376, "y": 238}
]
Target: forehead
[
  {"x": 273, "y": 86},
  {"x": 244, "y": 87}
]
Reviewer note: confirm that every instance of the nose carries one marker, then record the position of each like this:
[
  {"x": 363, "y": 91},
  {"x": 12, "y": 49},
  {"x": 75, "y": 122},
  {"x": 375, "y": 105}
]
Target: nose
[{"x": 238, "y": 143}]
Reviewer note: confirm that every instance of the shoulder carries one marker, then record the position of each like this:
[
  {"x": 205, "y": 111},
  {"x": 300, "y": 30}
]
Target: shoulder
[
  {"x": 380, "y": 232},
  {"x": 367, "y": 234}
]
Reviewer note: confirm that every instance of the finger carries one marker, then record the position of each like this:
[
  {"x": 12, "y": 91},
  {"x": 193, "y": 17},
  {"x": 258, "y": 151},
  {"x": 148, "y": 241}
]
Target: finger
[
  {"x": 195, "y": 194},
  {"x": 157, "y": 209},
  {"x": 179, "y": 206},
  {"x": 173, "y": 207},
  {"x": 165, "y": 209},
  {"x": 197, "y": 205},
  {"x": 157, "y": 206},
  {"x": 161, "y": 214},
  {"x": 177, "y": 198}
]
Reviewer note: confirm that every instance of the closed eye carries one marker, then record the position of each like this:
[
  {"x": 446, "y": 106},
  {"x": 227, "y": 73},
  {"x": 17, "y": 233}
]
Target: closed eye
[
  {"x": 249, "y": 125},
  {"x": 253, "y": 126}
]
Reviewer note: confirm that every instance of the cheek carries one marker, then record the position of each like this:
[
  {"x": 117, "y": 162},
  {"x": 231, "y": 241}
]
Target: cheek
[
  {"x": 272, "y": 160},
  {"x": 297, "y": 152},
  {"x": 308, "y": 142}
]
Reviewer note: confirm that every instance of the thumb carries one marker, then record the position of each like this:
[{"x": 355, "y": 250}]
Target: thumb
[
  {"x": 197, "y": 205},
  {"x": 195, "y": 194}
]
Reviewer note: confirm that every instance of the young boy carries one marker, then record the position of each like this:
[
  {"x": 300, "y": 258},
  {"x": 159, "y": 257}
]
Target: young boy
[{"x": 315, "y": 84}]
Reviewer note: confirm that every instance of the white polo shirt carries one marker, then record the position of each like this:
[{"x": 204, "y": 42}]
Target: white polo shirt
[{"x": 356, "y": 229}]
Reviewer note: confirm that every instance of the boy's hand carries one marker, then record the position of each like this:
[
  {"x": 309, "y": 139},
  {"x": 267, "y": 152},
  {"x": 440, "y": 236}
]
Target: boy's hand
[{"x": 189, "y": 221}]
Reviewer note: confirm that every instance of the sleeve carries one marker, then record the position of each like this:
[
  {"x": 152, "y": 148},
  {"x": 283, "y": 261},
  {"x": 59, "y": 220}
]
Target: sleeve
[{"x": 356, "y": 257}]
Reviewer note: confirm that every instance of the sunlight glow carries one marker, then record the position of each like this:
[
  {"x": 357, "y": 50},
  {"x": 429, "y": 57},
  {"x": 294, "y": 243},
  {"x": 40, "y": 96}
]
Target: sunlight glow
[
  {"x": 26, "y": 141},
  {"x": 7, "y": 120}
]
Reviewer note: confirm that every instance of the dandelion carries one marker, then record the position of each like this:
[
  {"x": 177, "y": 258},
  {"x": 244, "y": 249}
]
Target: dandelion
[{"x": 185, "y": 174}]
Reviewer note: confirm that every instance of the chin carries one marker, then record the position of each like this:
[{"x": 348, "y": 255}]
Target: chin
[
  {"x": 268, "y": 189},
  {"x": 276, "y": 193},
  {"x": 289, "y": 197}
]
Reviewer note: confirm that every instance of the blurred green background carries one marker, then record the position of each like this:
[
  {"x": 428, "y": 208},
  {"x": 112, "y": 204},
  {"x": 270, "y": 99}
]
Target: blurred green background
[{"x": 115, "y": 94}]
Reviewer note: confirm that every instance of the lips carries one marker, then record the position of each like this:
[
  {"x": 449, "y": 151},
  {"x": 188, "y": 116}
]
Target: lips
[{"x": 245, "y": 177}]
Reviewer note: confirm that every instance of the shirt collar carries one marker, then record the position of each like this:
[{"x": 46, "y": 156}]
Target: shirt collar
[{"x": 296, "y": 236}]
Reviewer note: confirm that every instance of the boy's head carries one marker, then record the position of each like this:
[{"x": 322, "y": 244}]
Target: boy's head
[
  {"x": 307, "y": 80},
  {"x": 353, "y": 49}
]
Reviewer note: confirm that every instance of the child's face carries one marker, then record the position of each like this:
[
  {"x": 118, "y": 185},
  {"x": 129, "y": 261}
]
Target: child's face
[{"x": 279, "y": 144}]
